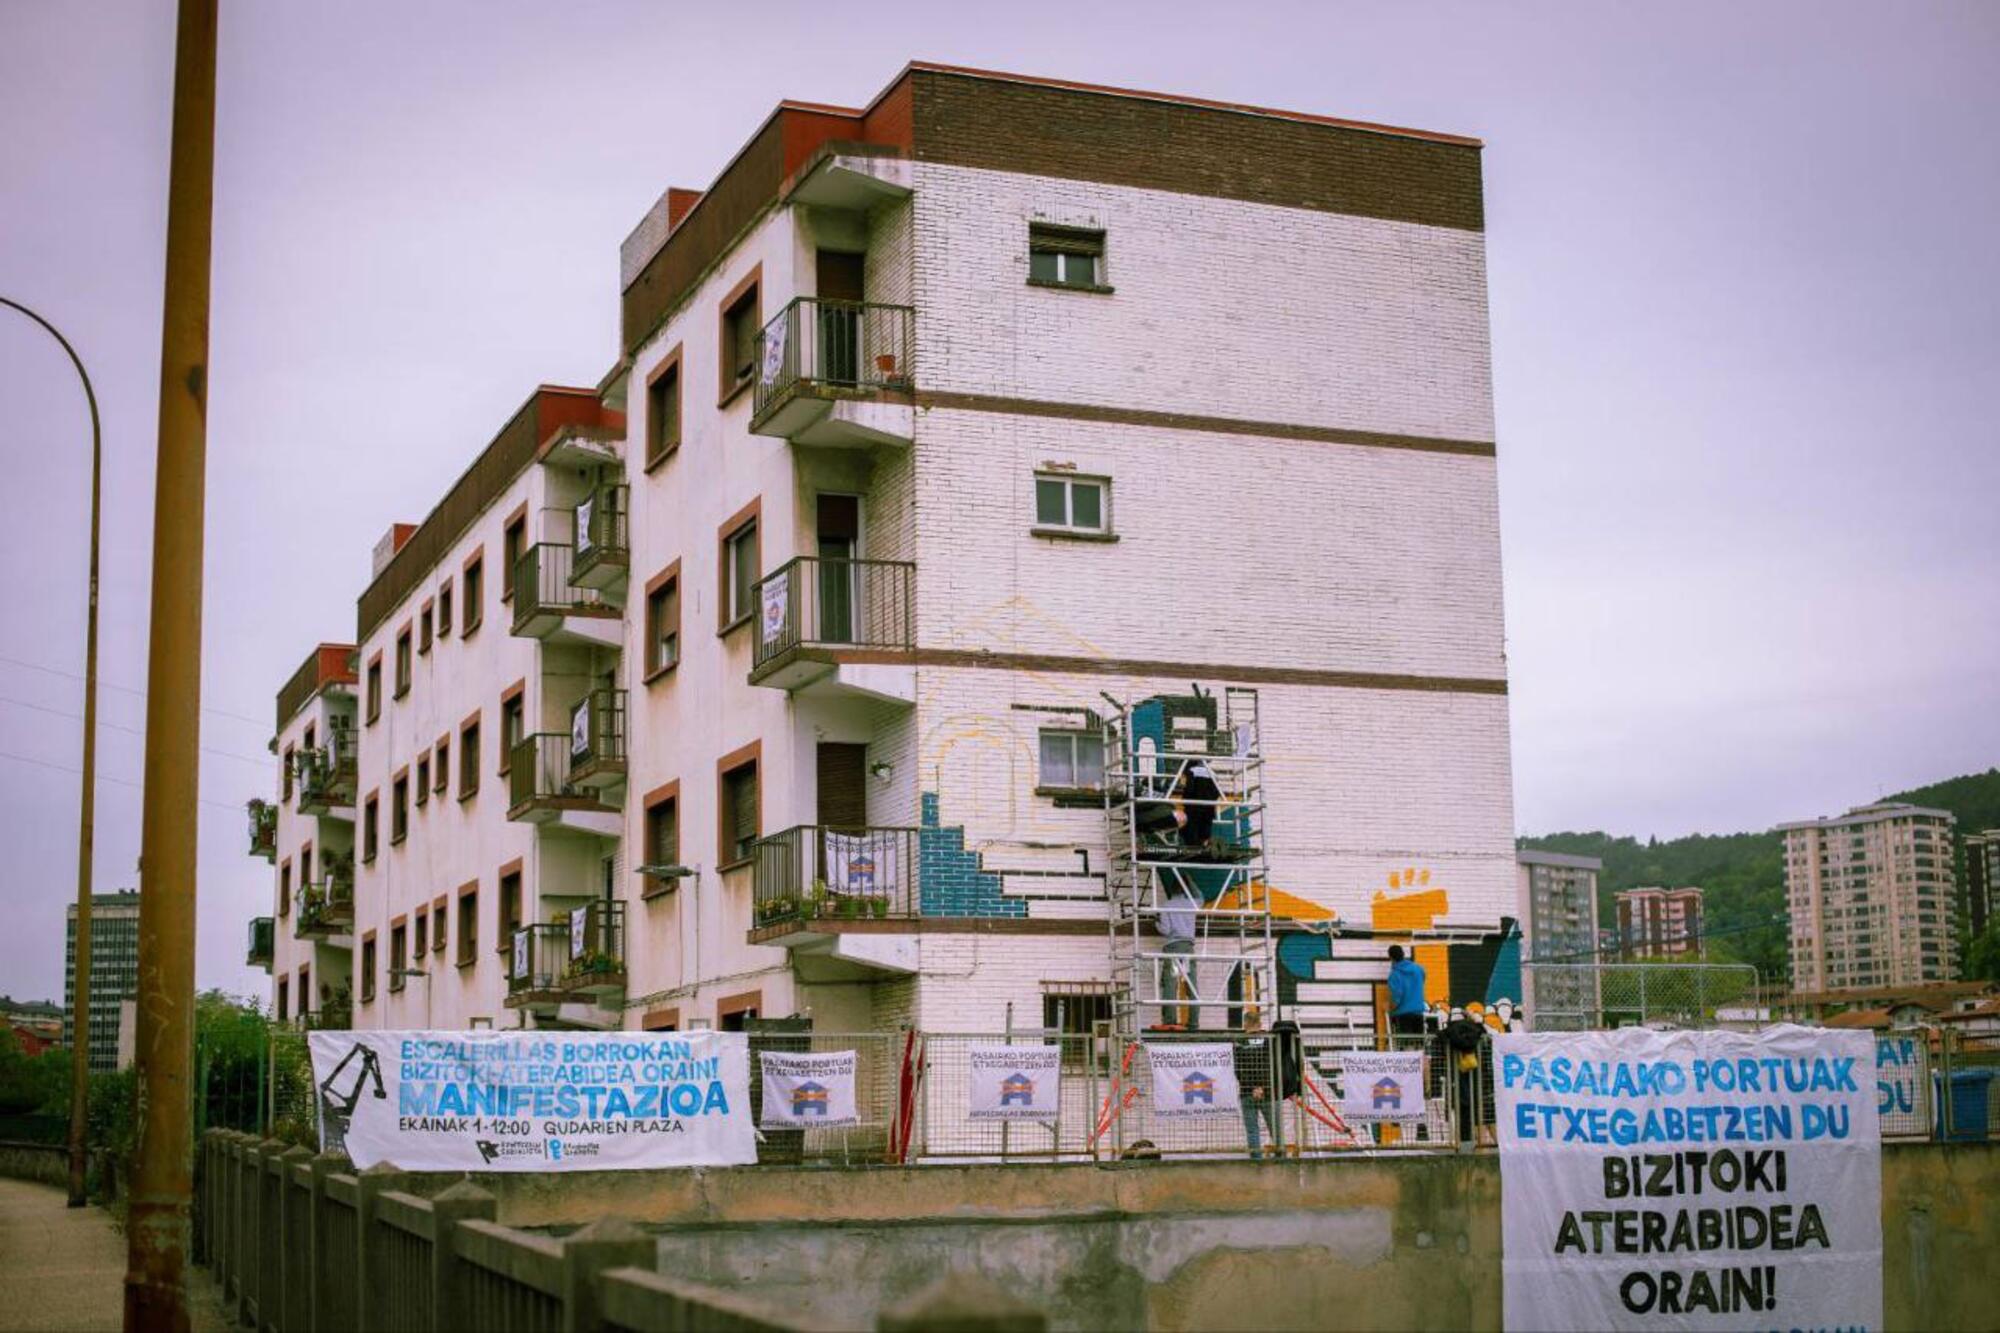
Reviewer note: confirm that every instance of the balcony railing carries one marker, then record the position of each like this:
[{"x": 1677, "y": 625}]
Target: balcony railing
[
  {"x": 325, "y": 907},
  {"x": 535, "y": 962},
  {"x": 331, "y": 1016},
  {"x": 544, "y": 594},
  {"x": 597, "y": 739},
  {"x": 815, "y": 603},
  {"x": 834, "y": 348},
  {"x": 263, "y": 934},
  {"x": 540, "y": 777},
  {"x": 816, "y": 873},
  {"x": 326, "y": 777},
  {"x": 596, "y": 948},
  {"x": 263, "y": 829},
  {"x": 603, "y": 542}
]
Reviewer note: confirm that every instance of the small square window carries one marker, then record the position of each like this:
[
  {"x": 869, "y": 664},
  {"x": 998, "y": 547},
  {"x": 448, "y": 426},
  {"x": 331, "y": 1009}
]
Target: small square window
[
  {"x": 1065, "y": 256},
  {"x": 1072, "y": 760},
  {"x": 1072, "y": 504}
]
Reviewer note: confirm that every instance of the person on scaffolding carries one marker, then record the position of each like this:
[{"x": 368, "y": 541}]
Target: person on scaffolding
[
  {"x": 1196, "y": 797},
  {"x": 1406, "y": 993},
  {"x": 1178, "y": 905}
]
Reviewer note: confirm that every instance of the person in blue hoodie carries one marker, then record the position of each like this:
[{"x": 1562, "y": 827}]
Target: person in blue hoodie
[{"x": 1406, "y": 993}]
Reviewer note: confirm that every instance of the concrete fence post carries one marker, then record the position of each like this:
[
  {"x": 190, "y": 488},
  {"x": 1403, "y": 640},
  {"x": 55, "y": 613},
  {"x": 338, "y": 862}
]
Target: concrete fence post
[
  {"x": 461, "y": 1202},
  {"x": 296, "y": 1253},
  {"x": 373, "y": 1306},
  {"x": 608, "y": 1243},
  {"x": 961, "y": 1303}
]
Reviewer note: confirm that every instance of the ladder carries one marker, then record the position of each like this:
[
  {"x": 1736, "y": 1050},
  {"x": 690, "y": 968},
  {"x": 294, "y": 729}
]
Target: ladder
[{"x": 1161, "y": 890}]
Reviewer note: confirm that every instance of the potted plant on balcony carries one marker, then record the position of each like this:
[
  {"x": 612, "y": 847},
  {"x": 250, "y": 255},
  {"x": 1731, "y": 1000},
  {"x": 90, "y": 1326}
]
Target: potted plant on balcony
[
  {"x": 878, "y": 907},
  {"x": 850, "y": 907},
  {"x": 814, "y": 906}
]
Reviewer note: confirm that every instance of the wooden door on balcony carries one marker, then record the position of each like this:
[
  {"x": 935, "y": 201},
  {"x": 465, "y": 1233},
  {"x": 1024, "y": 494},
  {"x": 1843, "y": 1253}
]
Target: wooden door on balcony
[
  {"x": 839, "y": 279},
  {"x": 843, "y": 785}
]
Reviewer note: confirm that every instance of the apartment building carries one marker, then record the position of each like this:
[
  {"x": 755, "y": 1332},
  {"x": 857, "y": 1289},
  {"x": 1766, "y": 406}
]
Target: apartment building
[
  {"x": 971, "y": 454},
  {"x": 1556, "y": 897},
  {"x": 307, "y": 835},
  {"x": 114, "y": 972},
  {"x": 1870, "y": 898},
  {"x": 1659, "y": 923},
  {"x": 1982, "y": 874}
]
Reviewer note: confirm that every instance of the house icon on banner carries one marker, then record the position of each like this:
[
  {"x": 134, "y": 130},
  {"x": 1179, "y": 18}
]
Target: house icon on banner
[
  {"x": 1017, "y": 1089},
  {"x": 809, "y": 1099},
  {"x": 1388, "y": 1092},
  {"x": 1197, "y": 1089}
]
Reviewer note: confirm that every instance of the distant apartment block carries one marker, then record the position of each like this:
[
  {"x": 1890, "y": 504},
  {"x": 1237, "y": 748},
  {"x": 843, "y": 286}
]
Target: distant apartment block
[
  {"x": 1557, "y": 901},
  {"x": 1660, "y": 923},
  {"x": 1982, "y": 877},
  {"x": 1870, "y": 898},
  {"x": 114, "y": 971},
  {"x": 808, "y": 662}
]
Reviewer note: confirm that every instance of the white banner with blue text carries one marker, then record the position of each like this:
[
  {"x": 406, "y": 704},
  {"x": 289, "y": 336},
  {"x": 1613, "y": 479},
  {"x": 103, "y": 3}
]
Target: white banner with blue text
[
  {"x": 1381, "y": 1086},
  {"x": 1193, "y": 1080},
  {"x": 1014, "y": 1082},
  {"x": 534, "y": 1101},
  {"x": 1689, "y": 1180},
  {"x": 808, "y": 1089}
]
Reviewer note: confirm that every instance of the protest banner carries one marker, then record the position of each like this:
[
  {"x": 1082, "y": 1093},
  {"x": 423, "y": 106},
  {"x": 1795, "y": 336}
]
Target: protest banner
[
  {"x": 1689, "y": 1180},
  {"x": 534, "y": 1101},
  {"x": 1015, "y": 1082},
  {"x": 808, "y": 1090},
  {"x": 1193, "y": 1080},
  {"x": 1381, "y": 1086}
]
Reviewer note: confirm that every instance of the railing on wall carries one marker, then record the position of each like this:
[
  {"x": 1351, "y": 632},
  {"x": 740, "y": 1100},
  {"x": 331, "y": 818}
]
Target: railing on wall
[
  {"x": 543, "y": 591},
  {"x": 603, "y": 544},
  {"x": 263, "y": 829},
  {"x": 817, "y": 873},
  {"x": 840, "y": 345},
  {"x": 810, "y": 602},
  {"x": 263, "y": 930}
]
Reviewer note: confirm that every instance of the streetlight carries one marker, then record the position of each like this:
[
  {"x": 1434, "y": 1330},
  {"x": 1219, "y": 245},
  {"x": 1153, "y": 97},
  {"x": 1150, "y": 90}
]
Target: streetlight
[{"x": 79, "y": 1062}]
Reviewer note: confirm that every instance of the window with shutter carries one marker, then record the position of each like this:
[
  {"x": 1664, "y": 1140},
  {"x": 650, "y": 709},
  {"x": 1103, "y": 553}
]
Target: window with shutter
[{"x": 1066, "y": 256}]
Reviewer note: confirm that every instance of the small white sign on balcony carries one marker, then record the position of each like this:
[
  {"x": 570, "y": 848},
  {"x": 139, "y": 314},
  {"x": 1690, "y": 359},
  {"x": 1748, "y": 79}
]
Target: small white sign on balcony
[{"x": 777, "y": 602}]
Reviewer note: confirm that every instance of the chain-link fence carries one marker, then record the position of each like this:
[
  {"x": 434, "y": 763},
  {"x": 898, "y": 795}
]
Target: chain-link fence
[
  {"x": 1967, "y": 1086},
  {"x": 1581, "y": 997}
]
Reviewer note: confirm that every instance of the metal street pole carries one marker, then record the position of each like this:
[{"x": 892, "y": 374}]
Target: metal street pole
[
  {"x": 157, "y": 1229},
  {"x": 79, "y": 1058}
]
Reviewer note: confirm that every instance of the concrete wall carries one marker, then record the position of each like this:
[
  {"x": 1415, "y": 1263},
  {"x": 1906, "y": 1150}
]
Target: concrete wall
[
  {"x": 1361, "y": 1243},
  {"x": 44, "y": 1162}
]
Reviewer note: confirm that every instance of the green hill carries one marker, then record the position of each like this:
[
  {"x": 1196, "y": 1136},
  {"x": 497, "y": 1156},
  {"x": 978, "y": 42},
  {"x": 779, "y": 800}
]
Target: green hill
[{"x": 1742, "y": 874}]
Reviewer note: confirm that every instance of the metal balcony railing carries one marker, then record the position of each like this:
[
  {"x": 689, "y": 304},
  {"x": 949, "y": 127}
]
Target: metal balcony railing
[
  {"x": 596, "y": 947},
  {"x": 263, "y": 936},
  {"x": 603, "y": 540},
  {"x": 597, "y": 737},
  {"x": 834, "y": 345},
  {"x": 810, "y": 602},
  {"x": 325, "y": 907},
  {"x": 263, "y": 829},
  {"x": 544, "y": 593},
  {"x": 536, "y": 959},
  {"x": 331, "y": 1016},
  {"x": 540, "y": 773},
  {"x": 819, "y": 873},
  {"x": 326, "y": 776}
]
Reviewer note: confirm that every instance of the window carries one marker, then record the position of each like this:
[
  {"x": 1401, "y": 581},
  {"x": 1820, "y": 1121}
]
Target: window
[
  {"x": 468, "y": 758},
  {"x": 305, "y": 865},
  {"x": 663, "y": 621},
  {"x": 437, "y": 926},
  {"x": 735, "y": 1013},
  {"x": 739, "y": 336},
  {"x": 368, "y": 967},
  {"x": 443, "y": 765},
  {"x": 1066, "y": 257},
  {"x": 513, "y": 541},
  {"x": 283, "y": 1008},
  {"x": 511, "y": 726},
  {"x": 399, "y": 807},
  {"x": 374, "y": 687},
  {"x": 371, "y": 819},
  {"x": 663, "y": 835},
  {"x": 741, "y": 558},
  {"x": 285, "y": 775},
  {"x": 1072, "y": 504},
  {"x": 424, "y": 778},
  {"x": 474, "y": 580},
  {"x": 663, "y": 409},
  {"x": 1072, "y": 760},
  {"x": 1075, "y": 1009},
  {"x": 399, "y": 953},
  {"x": 285, "y": 888},
  {"x": 403, "y": 662},
  {"x": 305, "y": 991},
  {"x": 468, "y": 924},
  {"x": 424, "y": 629},
  {"x": 660, "y": 1020},
  {"x": 739, "y": 810},
  {"x": 510, "y": 908},
  {"x": 419, "y": 930},
  {"x": 444, "y": 608}
]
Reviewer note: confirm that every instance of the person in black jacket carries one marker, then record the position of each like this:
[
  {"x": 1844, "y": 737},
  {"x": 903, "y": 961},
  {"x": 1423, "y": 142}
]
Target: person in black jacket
[{"x": 1256, "y": 1089}]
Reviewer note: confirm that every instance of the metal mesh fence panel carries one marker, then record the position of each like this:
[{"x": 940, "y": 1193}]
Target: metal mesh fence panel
[
  {"x": 1577, "y": 997},
  {"x": 878, "y": 1063},
  {"x": 1903, "y": 1083}
]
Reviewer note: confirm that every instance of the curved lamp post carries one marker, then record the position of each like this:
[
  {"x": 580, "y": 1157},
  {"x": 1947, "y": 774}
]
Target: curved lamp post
[{"x": 79, "y": 1079}]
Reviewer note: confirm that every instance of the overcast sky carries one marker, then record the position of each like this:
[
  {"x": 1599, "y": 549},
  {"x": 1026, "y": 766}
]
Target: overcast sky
[{"x": 1746, "y": 331}]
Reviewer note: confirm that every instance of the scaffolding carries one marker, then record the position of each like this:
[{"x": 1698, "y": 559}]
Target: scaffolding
[{"x": 1191, "y": 933}]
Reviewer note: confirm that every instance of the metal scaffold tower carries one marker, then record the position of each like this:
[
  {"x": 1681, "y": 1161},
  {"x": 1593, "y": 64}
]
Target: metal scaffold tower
[{"x": 1191, "y": 937}]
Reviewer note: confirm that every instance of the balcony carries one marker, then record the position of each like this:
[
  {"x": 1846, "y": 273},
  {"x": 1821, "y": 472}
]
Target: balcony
[
  {"x": 327, "y": 779},
  {"x": 838, "y": 373},
  {"x": 263, "y": 830},
  {"x": 541, "y": 790},
  {"x": 332, "y": 1016},
  {"x": 603, "y": 557},
  {"x": 535, "y": 966},
  {"x": 597, "y": 741},
  {"x": 548, "y": 606},
  {"x": 839, "y": 627},
  {"x": 325, "y": 908},
  {"x": 813, "y": 882},
  {"x": 596, "y": 965},
  {"x": 263, "y": 936}
]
